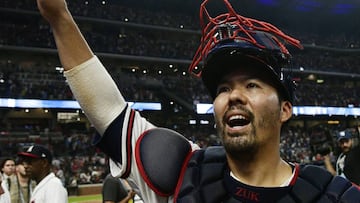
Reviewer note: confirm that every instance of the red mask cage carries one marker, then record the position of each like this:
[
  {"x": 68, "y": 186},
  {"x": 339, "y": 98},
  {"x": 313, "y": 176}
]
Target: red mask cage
[{"x": 215, "y": 31}]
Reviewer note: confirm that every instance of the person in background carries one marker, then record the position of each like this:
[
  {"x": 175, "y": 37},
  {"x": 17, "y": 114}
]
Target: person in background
[
  {"x": 4, "y": 192},
  {"x": 347, "y": 163},
  {"x": 37, "y": 161},
  {"x": 352, "y": 163},
  {"x": 10, "y": 180},
  {"x": 25, "y": 184},
  {"x": 114, "y": 191},
  {"x": 59, "y": 173},
  {"x": 243, "y": 70}
]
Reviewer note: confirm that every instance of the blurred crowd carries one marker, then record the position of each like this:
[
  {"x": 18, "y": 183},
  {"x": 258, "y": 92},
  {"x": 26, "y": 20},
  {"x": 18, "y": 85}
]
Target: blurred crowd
[
  {"x": 184, "y": 17},
  {"x": 33, "y": 80}
]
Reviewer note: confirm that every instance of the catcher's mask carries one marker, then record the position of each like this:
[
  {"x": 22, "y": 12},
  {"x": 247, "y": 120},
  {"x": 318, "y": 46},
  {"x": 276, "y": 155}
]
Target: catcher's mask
[{"x": 230, "y": 41}]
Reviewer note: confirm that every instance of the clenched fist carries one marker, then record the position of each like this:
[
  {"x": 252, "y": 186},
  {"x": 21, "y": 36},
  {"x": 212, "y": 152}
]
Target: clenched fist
[{"x": 53, "y": 10}]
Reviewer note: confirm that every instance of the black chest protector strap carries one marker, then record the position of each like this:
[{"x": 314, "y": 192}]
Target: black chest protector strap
[
  {"x": 203, "y": 179},
  {"x": 203, "y": 182},
  {"x": 315, "y": 184}
]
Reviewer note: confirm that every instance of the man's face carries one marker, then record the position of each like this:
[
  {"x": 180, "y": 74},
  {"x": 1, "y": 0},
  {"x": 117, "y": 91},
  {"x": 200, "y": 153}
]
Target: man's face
[
  {"x": 33, "y": 167},
  {"x": 20, "y": 169},
  {"x": 9, "y": 167},
  {"x": 248, "y": 113},
  {"x": 345, "y": 145}
]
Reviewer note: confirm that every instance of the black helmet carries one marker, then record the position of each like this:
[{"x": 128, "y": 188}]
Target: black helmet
[{"x": 230, "y": 39}]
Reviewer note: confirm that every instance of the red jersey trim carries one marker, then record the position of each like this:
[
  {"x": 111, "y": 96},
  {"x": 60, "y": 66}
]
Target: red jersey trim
[
  {"x": 128, "y": 144},
  {"x": 296, "y": 175},
  {"x": 141, "y": 167},
  {"x": 182, "y": 174}
]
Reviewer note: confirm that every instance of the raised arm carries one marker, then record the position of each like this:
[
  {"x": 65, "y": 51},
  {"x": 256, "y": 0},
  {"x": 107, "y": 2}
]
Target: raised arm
[
  {"x": 91, "y": 84},
  {"x": 72, "y": 47},
  {"x": 328, "y": 164}
]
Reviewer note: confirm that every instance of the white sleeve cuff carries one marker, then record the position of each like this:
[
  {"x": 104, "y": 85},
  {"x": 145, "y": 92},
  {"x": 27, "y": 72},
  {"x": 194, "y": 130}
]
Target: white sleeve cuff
[{"x": 96, "y": 92}]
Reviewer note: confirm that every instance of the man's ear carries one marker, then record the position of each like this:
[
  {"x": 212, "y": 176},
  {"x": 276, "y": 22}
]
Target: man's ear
[{"x": 286, "y": 111}]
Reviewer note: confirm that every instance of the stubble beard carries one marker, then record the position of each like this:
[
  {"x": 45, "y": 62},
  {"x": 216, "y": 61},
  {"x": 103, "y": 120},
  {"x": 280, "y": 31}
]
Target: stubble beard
[
  {"x": 346, "y": 149},
  {"x": 239, "y": 146}
]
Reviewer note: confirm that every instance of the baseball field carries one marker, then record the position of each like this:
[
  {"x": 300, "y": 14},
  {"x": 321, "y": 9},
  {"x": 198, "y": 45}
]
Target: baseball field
[{"x": 85, "y": 199}]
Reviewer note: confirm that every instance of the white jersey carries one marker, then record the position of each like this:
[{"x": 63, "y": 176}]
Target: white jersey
[
  {"x": 5, "y": 197},
  {"x": 340, "y": 165},
  {"x": 49, "y": 189},
  {"x": 103, "y": 104}
]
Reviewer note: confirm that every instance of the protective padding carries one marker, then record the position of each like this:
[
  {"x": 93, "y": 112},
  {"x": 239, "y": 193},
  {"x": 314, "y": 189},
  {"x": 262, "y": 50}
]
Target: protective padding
[{"x": 160, "y": 155}]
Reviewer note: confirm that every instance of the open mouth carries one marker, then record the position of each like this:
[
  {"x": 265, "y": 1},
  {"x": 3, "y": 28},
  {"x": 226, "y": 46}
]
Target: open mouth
[{"x": 237, "y": 121}]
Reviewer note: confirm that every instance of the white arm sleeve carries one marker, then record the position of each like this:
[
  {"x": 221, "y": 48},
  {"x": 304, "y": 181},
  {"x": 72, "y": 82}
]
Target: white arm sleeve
[{"x": 96, "y": 92}]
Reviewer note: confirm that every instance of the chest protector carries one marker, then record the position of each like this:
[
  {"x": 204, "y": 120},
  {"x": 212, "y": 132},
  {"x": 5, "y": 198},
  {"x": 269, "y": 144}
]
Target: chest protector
[
  {"x": 203, "y": 176},
  {"x": 204, "y": 181}
]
